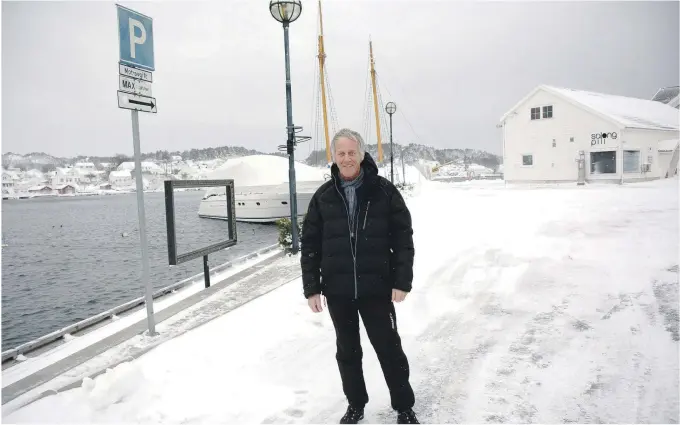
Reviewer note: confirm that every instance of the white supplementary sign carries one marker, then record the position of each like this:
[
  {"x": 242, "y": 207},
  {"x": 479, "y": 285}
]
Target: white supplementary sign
[
  {"x": 131, "y": 72},
  {"x": 136, "y": 102},
  {"x": 133, "y": 85}
]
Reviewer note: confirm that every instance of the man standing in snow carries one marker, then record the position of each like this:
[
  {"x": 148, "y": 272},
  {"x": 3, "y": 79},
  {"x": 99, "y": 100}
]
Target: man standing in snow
[{"x": 357, "y": 250}]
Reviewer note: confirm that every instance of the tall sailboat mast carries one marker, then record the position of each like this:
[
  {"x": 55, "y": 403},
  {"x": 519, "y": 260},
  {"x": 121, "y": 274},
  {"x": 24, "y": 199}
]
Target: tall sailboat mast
[
  {"x": 322, "y": 60},
  {"x": 375, "y": 103}
]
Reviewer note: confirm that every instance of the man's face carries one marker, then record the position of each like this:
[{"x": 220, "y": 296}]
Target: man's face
[{"x": 347, "y": 157}]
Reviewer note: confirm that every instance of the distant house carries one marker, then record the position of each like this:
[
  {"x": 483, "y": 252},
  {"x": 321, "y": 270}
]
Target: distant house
[
  {"x": 85, "y": 165},
  {"x": 42, "y": 190},
  {"x": 64, "y": 176},
  {"x": 7, "y": 182},
  {"x": 121, "y": 178},
  {"x": 65, "y": 189},
  {"x": 147, "y": 167}
]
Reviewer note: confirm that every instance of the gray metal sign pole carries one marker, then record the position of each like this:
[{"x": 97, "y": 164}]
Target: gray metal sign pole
[{"x": 142, "y": 223}]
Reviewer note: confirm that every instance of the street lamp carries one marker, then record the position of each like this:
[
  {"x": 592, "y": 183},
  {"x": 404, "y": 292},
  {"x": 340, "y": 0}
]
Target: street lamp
[
  {"x": 391, "y": 108},
  {"x": 287, "y": 11}
]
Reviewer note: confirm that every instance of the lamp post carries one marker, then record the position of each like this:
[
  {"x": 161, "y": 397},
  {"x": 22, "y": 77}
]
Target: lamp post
[
  {"x": 287, "y": 11},
  {"x": 391, "y": 108}
]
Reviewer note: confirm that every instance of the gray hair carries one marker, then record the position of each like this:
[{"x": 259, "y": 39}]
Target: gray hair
[{"x": 352, "y": 135}]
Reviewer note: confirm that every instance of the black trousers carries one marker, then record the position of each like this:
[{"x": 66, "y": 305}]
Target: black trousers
[{"x": 380, "y": 321}]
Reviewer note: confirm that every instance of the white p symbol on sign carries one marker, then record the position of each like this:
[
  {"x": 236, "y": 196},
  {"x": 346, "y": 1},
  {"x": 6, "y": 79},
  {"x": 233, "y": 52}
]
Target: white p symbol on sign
[{"x": 133, "y": 23}]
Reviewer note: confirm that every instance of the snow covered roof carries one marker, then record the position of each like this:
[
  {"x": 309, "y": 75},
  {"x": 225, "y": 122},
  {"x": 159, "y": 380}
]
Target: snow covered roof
[
  {"x": 668, "y": 145},
  {"x": 629, "y": 112},
  {"x": 34, "y": 173},
  {"x": 121, "y": 173},
  {"x": 130, "y": 165}
]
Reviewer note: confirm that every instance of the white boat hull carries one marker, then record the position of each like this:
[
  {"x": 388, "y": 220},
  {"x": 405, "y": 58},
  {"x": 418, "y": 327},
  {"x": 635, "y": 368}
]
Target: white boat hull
[{"x": 259, "y": 205}]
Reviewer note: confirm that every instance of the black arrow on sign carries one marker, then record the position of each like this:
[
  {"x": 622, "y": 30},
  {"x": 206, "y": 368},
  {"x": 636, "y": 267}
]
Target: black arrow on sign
[{"x": 137, "y": 102}]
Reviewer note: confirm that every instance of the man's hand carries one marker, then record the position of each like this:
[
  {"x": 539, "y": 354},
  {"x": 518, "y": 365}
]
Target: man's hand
[
  {"x": 398, "y": 295},
  {"x": 314, "y": 303}
]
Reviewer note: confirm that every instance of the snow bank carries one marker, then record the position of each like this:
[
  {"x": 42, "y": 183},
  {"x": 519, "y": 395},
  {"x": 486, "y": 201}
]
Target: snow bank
[{"x": 413, "y": 175}]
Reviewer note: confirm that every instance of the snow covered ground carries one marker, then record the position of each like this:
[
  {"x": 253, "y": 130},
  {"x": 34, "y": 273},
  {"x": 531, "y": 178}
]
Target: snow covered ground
[{"x": 544, "y": 304}]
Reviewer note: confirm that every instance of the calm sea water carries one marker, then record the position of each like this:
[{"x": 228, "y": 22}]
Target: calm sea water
[{"x": 66, "y": 259}]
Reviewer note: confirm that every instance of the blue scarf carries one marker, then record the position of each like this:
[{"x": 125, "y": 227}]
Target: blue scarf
[{"x": 350, "y": 188}]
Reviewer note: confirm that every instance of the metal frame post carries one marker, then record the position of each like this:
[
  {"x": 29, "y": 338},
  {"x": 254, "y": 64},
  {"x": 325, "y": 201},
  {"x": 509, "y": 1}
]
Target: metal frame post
[{"x": 206, "y": 271}]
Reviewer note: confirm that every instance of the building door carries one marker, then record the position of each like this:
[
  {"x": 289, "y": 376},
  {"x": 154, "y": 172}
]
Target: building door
[{"x": 581, "y": 163}]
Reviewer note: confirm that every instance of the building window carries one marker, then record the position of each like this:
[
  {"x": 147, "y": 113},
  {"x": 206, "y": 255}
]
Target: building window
[
  {"x": 535, "y": 113},
  {"x": 554, "y": 143},
  {"x": 547, "y": 111},
  {"x": 571, "y": 139},
  {"x": 603, "y": 162},
  {"x": 631, "y": 161},
  {"x": 527, "y": 160}
]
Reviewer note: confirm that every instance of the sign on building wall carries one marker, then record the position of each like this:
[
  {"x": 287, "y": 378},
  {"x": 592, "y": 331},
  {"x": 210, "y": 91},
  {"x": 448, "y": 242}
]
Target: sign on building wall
[{"x": 601, "y": 138}]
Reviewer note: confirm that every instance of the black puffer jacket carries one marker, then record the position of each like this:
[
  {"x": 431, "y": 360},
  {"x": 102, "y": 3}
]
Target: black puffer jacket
[{"x": 376, "y": 257}]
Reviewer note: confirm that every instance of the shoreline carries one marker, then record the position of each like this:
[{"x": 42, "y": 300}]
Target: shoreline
[{"x": 100, "y": 192}]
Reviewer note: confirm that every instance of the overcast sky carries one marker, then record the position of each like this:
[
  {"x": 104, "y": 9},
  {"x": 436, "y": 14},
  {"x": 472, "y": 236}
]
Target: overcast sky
[{"x": 453, "y": 68}]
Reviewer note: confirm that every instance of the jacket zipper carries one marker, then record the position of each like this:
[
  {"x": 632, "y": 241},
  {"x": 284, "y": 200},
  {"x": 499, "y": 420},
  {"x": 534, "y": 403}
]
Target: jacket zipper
[
  {"x": 366, "y": 216},
  {"x": 356, "y": 240},
  {"x": 352, "y": 251}
]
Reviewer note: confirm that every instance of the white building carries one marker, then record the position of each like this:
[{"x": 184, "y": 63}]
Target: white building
[
  {"x": 9, "y": 179},
  {"x": 122, "y": 178},
  {"x": 544, "y": 132},
  {"x": 147, "y": 167},
  {"x": 66, "y": 176},
  {"x": 85, "y": 165}
]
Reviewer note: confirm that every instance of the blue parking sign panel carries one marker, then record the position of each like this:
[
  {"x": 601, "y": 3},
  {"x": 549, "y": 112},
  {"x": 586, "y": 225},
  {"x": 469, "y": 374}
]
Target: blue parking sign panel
[{"x": 135, "y": 38}]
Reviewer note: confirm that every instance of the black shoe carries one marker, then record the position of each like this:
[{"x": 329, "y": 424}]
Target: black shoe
[
  {"x": 407, "y": 417},
  {"x": 353, "y": 415}
]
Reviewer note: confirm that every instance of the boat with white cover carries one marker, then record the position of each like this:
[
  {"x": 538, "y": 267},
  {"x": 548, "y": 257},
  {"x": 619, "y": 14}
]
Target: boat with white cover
[
  {"x": 261, "y": 189},
  {"x": 258, "y": 204}
]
